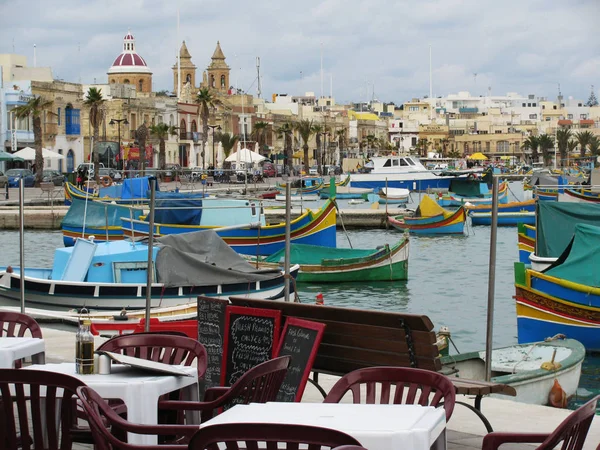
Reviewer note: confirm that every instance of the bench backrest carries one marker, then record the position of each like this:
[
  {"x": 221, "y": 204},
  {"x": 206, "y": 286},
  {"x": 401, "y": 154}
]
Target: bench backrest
[
  {"x": 356, "y": 338},
  {"x": 46, "y": 186}
]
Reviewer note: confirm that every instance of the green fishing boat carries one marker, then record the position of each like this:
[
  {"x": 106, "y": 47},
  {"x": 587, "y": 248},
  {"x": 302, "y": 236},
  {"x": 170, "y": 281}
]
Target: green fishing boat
[{"x": 332, "y": 265}]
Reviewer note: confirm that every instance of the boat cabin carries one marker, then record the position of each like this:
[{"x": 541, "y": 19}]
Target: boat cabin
[{"x": 393, "y": 164}]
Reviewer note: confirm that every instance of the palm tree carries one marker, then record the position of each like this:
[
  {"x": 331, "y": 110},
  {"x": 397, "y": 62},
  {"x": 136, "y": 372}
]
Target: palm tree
[
  {"x": 94, "y": 100},
  {"x": 228, "y": 141},
  {"x": 286, "y": 131},
  {"x": 562, "y": 138},
  {"x": 546, "y": 142},
  {"x": 258, "y": 134},
  {"x": 35, "y": 107},
  {"x": 532, "y": 144},
  {"x": 161, "y": 132},
  {"x": 341, "y": 135},
  {"x": 305, "y": 129},
  {"x": 444, "y": 143},
  {"x": 207, "y": 102},
  {"x": 422, "y": 145},
  {"x": 595, "y": 146},
  {"x": 583, "y": 138},
  {"x": 318, "y": 131}
]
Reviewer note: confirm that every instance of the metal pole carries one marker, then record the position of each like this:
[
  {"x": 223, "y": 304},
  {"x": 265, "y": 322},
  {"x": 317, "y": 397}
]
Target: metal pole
[
  {"x": 150, "y": 271},
  {"x": 288, "y": 208},
  {"x": 491, "y": 281},
  {"x": 22, "y": 243}
]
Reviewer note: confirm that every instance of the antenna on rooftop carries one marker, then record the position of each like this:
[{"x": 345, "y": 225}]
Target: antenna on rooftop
[{"x": 258, "y": 86}]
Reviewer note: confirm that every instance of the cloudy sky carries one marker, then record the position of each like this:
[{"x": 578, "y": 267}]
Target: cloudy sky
[{"x": 525, "y": 46}]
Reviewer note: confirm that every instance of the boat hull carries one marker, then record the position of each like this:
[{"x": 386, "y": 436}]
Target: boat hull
[
  {"x": 453, "y": 200},
  {"x": 519, "y": 366},
  {"x": 504, "y": 218},
  {"x": 453, "y": 224},
  {"x": 130, "y": 296}
]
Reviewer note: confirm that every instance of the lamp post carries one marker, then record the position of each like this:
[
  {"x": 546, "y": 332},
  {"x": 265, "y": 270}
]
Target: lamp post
[
  {"x": 118, "y": 122},
  {"x": 214, "y": 161}
]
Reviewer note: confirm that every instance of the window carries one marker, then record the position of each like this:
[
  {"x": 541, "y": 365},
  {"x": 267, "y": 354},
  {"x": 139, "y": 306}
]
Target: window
[
  {"x": 141, "y": 85},
  {"x": 182, "y": 127},
  {"x": 487, "y": 146},
  {"x": 502, "y": 146},
  {"x": 223, "y": 82},
  {"x": 126, "y": 81},
  {"x": 413, "y": 108},
  {"x": 529, "y": 105},
  {"x": 394, "y": 162},
  {"x": 553, "y": 106},
  {"x": 570, "y": 116},
  {"x": 583, "y": 116},
  {"x": 524, "y": 104},
  {"x": 410, "y": 161},
  {"x": 498, "y": 132},
  {"x": 212, "y": 81},
  {"x": 580, "y": 104},
  {"x": 543, "y": 106},
  {"x": 534, "y": 104},
  {"x": 58, "y": 114},
  {"x": 194, "y": 126},
  {"x": 547, "y": 119},
  {"x": 388, "y": 163},
  {"x": 403, "y": 162},
  {"x": 533, "y": 116},
  {"x": 188, "y": 78}
]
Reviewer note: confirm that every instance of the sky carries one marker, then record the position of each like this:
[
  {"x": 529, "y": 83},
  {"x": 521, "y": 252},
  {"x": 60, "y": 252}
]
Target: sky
[{"x": 370, "y": 49}]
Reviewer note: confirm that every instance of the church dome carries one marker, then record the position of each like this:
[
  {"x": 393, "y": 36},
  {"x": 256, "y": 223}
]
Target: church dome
[{"x": 129, "y": 61}]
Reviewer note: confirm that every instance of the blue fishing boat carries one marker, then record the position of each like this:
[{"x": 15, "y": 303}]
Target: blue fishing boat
[
  {"x": 346, "y": 192},
  {"x": 104, "y": 220},
  {"x": 312, "y": 227},
  {"x": 565, "y": 297},
  {"x": 112, "y": 275},
  {"x": 504, "y": 218},
  {"x": 526, "y": 206},
  {"x": 431, "y": 219}
]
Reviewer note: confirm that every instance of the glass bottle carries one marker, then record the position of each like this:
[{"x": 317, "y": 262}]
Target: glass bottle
[{"x": 84, "y": 349}]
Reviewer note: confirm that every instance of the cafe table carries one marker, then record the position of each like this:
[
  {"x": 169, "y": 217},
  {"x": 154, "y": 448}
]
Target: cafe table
[
  {"x": 376, "y": 427},
  {"x": 138, "y": 389},
  {"x": 14, "y": 348}
]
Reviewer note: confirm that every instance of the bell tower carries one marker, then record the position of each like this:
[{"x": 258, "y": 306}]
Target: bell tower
[
  {"x": 218, "y": 71},
  {"x": 188, "y": 69}
]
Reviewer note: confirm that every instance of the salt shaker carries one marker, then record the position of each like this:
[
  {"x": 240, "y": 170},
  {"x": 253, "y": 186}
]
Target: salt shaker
[{"x": 104, "y": 364}]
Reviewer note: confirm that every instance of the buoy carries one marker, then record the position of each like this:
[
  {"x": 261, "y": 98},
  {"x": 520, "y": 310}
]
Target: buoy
[
  {"x": 557, "y": 396},
  {"x": 320, "y": 299}
]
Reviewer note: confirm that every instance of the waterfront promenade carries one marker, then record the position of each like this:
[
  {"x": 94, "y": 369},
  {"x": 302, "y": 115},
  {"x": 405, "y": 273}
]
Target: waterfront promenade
[{"x": 465, "y": 431}]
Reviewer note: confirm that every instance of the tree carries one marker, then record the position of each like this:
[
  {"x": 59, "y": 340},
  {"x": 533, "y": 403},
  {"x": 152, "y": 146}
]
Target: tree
[
  {"x": 422, "y": 146},
  {"x": 454, "y": 154},
  {"x": 259, "y": 130},
  {"x": 318, "y": 131},
  {"x": 546, "y": 142},
  {"x": 305, "y": 129},
  {"x": 35, "y": 107},
  {"x": 286, "y": 131},
  {"x": 228, "y": 141},
  {"x": 592, "y": 100},
  {"x": 532, "y": 144},
  {"x": 94, "y": 101},
  {"x": 207, "y": 102},
  {"x": 444, "y": 143},
  {"x": 583, "y": 138},
  {"x": 141, "y": 135},
  {"x": 562, "y": 138},
  {"x": 595, "y": 146},
  {"x": 161, "y": 132},
  {"x": 572, "y": 146}
]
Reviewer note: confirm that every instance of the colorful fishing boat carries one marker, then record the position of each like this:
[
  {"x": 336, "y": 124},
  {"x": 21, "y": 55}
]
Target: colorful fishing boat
[
  {"x": 580, "y": 195},
  {"x": 393, "y": 195},
  {"x": 312, "y": 227},
  {"x": 504, "y": 218},
  {"x": 526, "y": 241},
  {"x": 527, "y": 205},
  {"x": 346, "y": 192},
  {"x": 431, "y": 219},
  {"x": 564, "y": 298},
  {"x": 453, "y": 199},
  {"x": 113, "y": 275},
  {"x": 103, "y": 220},
  {"x": 303, "y": 186},
  {"x": 332, "y": 265},
  {"x": 529, "y": 368}
]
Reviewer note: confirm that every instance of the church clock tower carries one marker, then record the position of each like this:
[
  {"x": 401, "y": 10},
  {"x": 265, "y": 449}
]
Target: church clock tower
[
  {"x": 188, "y": 69},
  {"x": 218, "y": 71}
]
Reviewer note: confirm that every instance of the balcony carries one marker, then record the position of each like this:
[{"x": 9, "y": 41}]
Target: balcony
[
  {"x": 50, "y": 129},
  {"x": 72, "y": 126},
  {"x": 190, "y": 136},
  {"x": 22, "y": 135},
  {"x": 468, "y": 110}
]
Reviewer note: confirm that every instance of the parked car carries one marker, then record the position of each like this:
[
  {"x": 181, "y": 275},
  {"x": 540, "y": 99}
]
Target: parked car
[
  {"x": 313, "y": 170},
  {"x": 269, "y": 170},
  {"x": 14, "y": 175},
  {"x": 3, "y": 180},
  {"x": 53, "y": 176}
]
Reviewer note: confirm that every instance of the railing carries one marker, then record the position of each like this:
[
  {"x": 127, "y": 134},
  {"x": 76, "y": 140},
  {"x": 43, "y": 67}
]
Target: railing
[
  {"x": 468, "y": 110},
  {"x": 195, "y": 136}
]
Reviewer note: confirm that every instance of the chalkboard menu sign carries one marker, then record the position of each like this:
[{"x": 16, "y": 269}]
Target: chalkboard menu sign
[
  {"x": 251, "y": 338},
  {"x": 211, "y": 334},
  {"x": 300, "y": 339}
]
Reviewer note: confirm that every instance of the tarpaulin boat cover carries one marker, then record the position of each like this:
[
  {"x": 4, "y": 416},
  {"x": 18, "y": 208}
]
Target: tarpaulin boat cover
[
  {"x": 202, "y": 258},
  {"x": 136, "y": 188},
  {"x": 97, "y": 214},
  {"x": 556, "y": 223},
  {"x": 178, "y": 208},
  {"x": 429, "y": 208},
  {"x": 316, "y": 254},
  {"x": 580, "y": 261}
]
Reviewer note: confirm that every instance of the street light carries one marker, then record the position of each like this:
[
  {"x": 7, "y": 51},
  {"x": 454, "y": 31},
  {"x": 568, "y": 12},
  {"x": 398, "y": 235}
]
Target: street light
[
  {"x": 214, "y": 161},
  {"x": 118, "y": 122}
]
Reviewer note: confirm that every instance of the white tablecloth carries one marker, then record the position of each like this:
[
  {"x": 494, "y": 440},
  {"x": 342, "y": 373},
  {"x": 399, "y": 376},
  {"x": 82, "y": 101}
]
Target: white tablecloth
[
  {"x": 14, "y": 348},
  {"x": 374, "y": 426},
  {"x": 138, "y": 390}
]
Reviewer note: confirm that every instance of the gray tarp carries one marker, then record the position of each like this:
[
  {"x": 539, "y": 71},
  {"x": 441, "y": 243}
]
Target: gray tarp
[{"x": 202, "y": 258}]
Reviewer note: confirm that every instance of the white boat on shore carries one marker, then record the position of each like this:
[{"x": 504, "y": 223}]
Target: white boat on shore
[
  {"x": 529, "y": 368},
  {"x": 393, "y": 195}
]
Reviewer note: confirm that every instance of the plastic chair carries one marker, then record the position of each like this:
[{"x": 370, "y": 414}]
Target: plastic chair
[
  {"x": 104, "y": 421},
  {"x": 258, "y": 385},
  {"x": 14, "y": 324},
  {"x": 37, "y": 409},
  {"x": 571, "y": 432},
  {"x": 417, "y": 383},
  {"x": 274, "y": 435}
]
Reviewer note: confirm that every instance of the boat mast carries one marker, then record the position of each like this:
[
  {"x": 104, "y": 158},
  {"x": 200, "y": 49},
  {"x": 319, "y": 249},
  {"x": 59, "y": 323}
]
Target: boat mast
[{"x": 491, "y": 281}]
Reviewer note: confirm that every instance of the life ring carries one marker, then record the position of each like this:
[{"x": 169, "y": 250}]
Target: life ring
[{"x": 106, "y": 181}]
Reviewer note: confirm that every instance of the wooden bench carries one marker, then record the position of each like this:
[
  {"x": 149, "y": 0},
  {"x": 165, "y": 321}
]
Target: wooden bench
[{"x": 356, "y": 338}]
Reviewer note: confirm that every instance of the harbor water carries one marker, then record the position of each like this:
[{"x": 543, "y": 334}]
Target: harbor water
[{"x": 448, "y": 281}]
